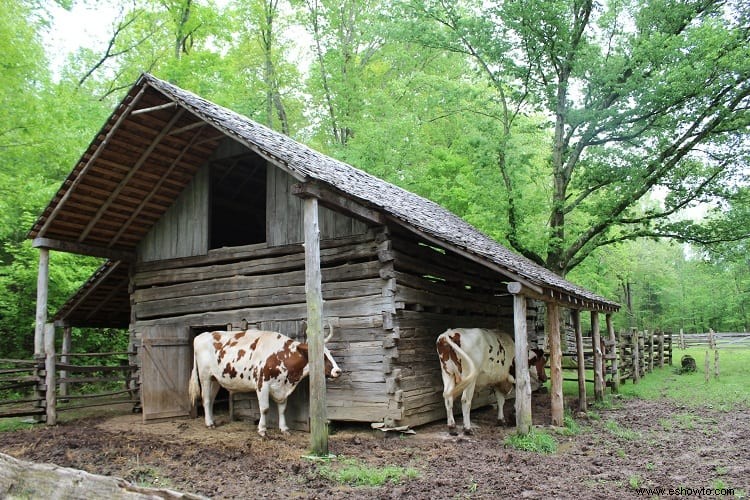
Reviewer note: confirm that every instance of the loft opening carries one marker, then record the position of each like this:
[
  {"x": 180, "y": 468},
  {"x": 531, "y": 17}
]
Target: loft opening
[{"x": 237, "y": 201}]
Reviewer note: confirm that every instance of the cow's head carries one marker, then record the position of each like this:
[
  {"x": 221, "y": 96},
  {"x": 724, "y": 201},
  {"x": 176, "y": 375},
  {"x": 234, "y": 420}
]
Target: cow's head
[
  {"x": 537, "y": 374},
  {"x": 331, "y": 368}
]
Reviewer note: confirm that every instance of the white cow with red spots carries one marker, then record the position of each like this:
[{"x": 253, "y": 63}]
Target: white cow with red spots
[
  {"x": 269, "y": 363},
  {"x": 474, "y": 358}
]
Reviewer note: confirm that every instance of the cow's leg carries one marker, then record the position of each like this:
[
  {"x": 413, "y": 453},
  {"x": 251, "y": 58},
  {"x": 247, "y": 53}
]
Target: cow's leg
[
  {"x": 281, "y": 406},
  {"x": 448, "y": 397},
  {"x": 210, "y": 389},
  {"x": 466, "y": 398},
  {"x": 500, "y": 395},
  {"x": 264, "y": 406}
]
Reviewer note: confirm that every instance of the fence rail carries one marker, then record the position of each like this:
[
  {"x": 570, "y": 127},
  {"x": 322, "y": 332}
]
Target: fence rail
[
  {"x": 24, "y": 383},
  {"x": 712, "y": 340}
]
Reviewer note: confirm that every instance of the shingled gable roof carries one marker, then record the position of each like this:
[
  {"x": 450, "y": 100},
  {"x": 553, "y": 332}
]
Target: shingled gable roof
[{"x": 417, "y": 214}]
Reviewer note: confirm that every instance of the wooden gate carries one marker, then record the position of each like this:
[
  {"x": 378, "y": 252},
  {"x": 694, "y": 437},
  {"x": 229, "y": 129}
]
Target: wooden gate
[{"x": 167, "y": 357}]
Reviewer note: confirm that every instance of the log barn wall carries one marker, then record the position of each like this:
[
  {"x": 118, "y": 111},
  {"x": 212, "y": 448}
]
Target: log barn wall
[{"x": 387, "y": 294}]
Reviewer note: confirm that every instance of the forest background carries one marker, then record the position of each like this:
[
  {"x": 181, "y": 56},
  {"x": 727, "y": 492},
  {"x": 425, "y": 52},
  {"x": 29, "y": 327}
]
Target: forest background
[{"x": 606, "y": 141}]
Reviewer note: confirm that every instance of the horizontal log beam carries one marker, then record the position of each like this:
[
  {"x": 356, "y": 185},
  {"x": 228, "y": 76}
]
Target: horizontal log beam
[
  {"x": 335, "y": 201},
  {"x": 84, "y": 249}
]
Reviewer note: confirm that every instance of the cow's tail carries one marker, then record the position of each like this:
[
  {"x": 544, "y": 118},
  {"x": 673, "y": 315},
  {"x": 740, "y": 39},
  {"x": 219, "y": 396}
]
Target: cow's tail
[
  {"x": 471, "y": 372},
  {"x": 195, "y": 384}
]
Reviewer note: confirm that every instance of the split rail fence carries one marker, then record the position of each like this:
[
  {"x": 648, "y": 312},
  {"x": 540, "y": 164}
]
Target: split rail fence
[{"x": 79, "y": 380}]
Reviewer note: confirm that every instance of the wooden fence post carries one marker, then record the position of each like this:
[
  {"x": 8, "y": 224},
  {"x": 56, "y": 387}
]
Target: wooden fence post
[
  {"x": 636, "y": 357},
  {"x": 613, "y": 340},
  {"x": 662, "y": 353},
  {"x": 49, "y": 367},
  {"x": 575, "y": 316},
  {"x": 650, "y": 337},
  {"x": 67, "y": 344},
  {"x": 555, "y": 348},
  {"x": 682, "y": 339},
  {"x": 596, "y": 344}
]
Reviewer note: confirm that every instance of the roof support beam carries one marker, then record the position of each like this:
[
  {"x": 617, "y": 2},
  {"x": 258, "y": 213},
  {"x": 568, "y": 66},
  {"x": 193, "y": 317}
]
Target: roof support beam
[
  {"x": 154, "y": 108},
  {"x": 124, "y": 182},
  {"x": 90, "y": 289},
  {"x": 155, "y": 188},
  {"x": 336, "y": 201},
  {"x": 84, "y": 249},
  {"x": 125, "y": 113}
]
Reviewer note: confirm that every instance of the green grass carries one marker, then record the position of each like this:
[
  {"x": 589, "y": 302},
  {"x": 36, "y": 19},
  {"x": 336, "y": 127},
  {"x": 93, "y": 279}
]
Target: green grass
[
  {"x": 729, "y": 392},
  {"x": 15, "y": 424},
  {"x": 354, "y": 472},
  {"x": 537, "y": 441}
]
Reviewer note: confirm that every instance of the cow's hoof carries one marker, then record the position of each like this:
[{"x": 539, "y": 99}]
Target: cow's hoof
[
  {"x": 211, "y": 426},
  {"x": 469, "y": 431},
  {"x": 452, "y": 431},
  {"x": 285, "y": 432},
  {"x": 262, "y": 434}
]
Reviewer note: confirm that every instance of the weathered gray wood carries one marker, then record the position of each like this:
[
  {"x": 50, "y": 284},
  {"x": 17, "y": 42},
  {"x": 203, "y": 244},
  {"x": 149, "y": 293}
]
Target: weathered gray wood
[
  {"x": 556, "y": 374},
  {"x": 314, "y": 299},
  {"x": 183, "y": 230},
  {"x": 615, "y": 365},
  {"x": 42, "y": 292},
  {"x": 575, "y": 315},
  {"x": 523, "y": 383},
  {"x": 22, "y": 479},
  {"x": 598, "y": 357},
  {"x": 67, "y": 344},
  {"x": 49, "y": 367},
  {"x": 166, "y": 364}
]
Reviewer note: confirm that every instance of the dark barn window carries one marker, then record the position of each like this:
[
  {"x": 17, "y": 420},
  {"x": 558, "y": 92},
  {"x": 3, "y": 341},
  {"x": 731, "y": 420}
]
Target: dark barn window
[{"x": 238, "y": 201}]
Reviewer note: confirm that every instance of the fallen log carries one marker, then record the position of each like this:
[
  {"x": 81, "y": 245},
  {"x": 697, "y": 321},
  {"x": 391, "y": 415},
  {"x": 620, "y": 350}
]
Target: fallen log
[{"x": 21, "y": 479}]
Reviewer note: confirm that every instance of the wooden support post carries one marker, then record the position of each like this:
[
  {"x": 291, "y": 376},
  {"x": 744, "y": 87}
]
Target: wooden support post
[
  {"x": 650, "y": 338},
  {"x": 555, "y": 349},
  {"x": 596, "y": 344},
  {"x": 42, "y": 290},
  {"x": 662, "y": 352},
  {"x": 523, "y": 383},
  {"x": 615, "y": 364},
  {"x": 49, "y": 367},
  {"x": 575, "y": 316},
  {"x": 636, "y": 357},
  {"x": 314, "y": 297},
  {"x": 67, "y": 344}
]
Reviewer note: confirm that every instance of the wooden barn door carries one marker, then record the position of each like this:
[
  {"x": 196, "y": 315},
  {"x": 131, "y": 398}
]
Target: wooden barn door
[{"x": 167, "y": 362}]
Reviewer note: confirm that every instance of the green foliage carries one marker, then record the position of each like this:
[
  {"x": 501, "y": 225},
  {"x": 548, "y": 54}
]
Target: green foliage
[
  {"x": 14, "y": 424},
  {"x": 357, "y": 473},
  {"x": 536, "y": 441}
]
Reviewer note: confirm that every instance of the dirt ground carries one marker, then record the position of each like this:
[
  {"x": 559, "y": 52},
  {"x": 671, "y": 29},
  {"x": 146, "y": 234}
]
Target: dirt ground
[{"x": 633, "y": 444}]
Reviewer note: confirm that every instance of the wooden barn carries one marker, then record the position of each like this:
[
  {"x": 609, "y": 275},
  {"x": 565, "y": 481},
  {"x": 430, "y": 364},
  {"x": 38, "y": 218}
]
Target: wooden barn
[{"x": 199, "y": 213}]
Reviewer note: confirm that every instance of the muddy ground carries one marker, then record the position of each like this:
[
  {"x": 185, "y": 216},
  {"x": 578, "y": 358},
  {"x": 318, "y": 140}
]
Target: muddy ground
[{"x": 633, "y": 444}]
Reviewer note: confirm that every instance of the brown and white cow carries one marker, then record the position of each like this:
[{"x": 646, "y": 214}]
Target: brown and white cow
[
  {"x": 474, "y": 358},
  {"x": 269, "y": 363}
]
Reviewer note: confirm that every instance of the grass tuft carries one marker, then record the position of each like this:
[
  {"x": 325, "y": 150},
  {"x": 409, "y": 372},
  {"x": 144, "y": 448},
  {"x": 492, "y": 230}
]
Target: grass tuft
[
  {"x": 357, "y": 473},
  {"x": 537, "y": 441}
]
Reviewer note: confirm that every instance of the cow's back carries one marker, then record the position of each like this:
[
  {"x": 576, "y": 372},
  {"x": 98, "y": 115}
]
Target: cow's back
[
  {"x": 497, "y": 356},
  {"x": 237, "y": 359}
]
